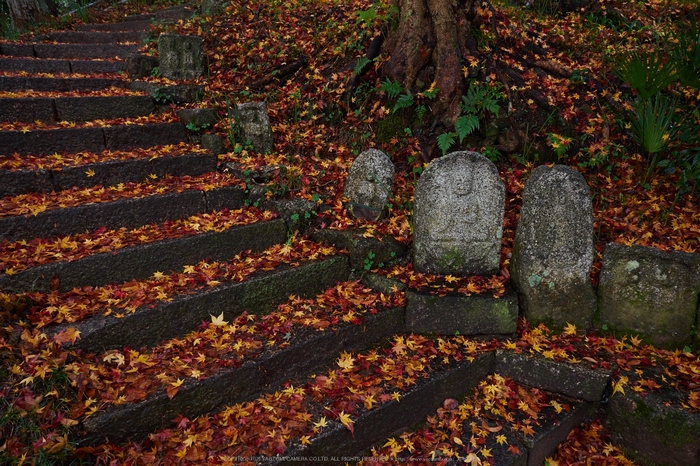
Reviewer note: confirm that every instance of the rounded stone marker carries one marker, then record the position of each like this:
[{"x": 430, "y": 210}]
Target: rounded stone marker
[
  {"x": 368, "y": 185},
  {"x": 553, "y": 249},
  {"x": 458, "y": 216}
]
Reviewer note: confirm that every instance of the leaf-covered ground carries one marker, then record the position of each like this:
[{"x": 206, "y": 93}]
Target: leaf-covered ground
[{"x": 554, "y": 74}]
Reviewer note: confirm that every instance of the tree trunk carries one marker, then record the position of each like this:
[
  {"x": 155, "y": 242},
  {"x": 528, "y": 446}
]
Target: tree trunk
[
  {"x": 433, "y": 38},
  {"x": 23, "y": 11}
]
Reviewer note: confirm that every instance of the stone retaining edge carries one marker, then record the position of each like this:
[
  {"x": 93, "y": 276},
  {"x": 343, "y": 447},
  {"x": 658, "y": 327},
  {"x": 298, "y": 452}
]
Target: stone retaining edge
[
  {"x": 40, "y": 83},
  {"x": 395, "y": 416},
  {"x": 141, "y": 261},
  {"x": 109, "y": 173},
  {"x": 573, "y": 380},
  {"x": 242, "y": 383},
  {"x": 258, "y": 294},
  {"x": 129, "y": 213},
  {"x": 48, "y": 65},
  {"x": 86, "y": 108},
  {"x": 91, "y": 139}
]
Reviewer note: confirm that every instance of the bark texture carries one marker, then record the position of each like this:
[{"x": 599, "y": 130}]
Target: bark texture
[
  {"x": 23, "y": 11},
  {"x": 431, "y": 39}
]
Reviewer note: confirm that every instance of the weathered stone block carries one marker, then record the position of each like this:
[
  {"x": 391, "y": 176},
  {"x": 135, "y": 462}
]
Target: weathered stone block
[
  {"x": 574, "y": 380},
  {"x": 181, "y": 57},
  {"x": 652, "y": 433},
  {"x": 468, "y": 315},
  {"x": 140, "y": 66},
  {"x": 458, "y": 216},
  {"x": 649, "y": 292},
  {"x": 213, "y": 143},
  {"x": 368, "y": 185},
  {"x": 255, "y": 125},
  {"x": 199, "y": 118},
  {"x": 382, "y": 284},
  {"x": 553, "y": 248},
  {"x": 371, "y": 249}
]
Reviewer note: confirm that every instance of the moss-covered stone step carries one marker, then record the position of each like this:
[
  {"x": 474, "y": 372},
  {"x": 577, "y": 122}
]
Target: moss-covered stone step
[
  {"x": 30, "y": 109},
  {"x": 109, "y": 173},
  {"x": 481, "y": 314},
  {"x": 232, "y": 385},
  {"x": 54, "y": 66},
  {"x": 95, "y": 37},
  {"x": 40, "y": 83},
  {"x": 258, "y": 294},
  {"x": 576, "y": 388},
  {"x": 518, "y": 448},
  {"x": 129, "y": 213},
  {"x": 654, "y": 428},
  {"x": 90, "y": 139},
  {"x": 376, "y": 424},
  {"x": 574, "y": 380},
  {"x": 142, "y": 261}
]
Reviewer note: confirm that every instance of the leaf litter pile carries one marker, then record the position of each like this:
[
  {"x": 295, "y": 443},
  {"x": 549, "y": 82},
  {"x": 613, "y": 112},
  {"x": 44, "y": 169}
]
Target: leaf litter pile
[{"x": 320, "y": 125}]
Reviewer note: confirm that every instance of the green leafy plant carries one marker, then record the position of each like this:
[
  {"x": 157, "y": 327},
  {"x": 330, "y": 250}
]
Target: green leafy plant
[
  {"x": 162, "y": 96},
  {"x": 647, "y": 73},
  {"x": 686, "y": 54},
  {"x": 7, "y": 27},
  {"x": 392, "y": 88},
  {"x": 559, "y": 144},
  {"x": 652, "y": 127},
  {"x": 193, "y": 127},
  {"x": 479, "y": 99}
]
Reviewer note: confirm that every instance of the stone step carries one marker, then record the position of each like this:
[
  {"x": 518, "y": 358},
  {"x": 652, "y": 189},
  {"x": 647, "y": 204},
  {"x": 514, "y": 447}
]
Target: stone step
[
  {"x": 526, "y": 437},
  {"x": 566, "y": 378},
  {"x": 305, "y": 353},
  {"x": 141, "y": 261},
  {"x": 84, "y": 51},
  {"x": 90, "y": 139},
  {"x": 72, "y": 50},
  {"x": 40, "y": 83},
  {"x": 96, "y": 37},
  {"x": 35, "y": 65},
  {"x": 125, "y": 212},
  {"x": 108, "y": 173},
  {"x": 116, "y": 27},
  {"x": 258, "y": 294},
  {"x": 83, "y": 108}
]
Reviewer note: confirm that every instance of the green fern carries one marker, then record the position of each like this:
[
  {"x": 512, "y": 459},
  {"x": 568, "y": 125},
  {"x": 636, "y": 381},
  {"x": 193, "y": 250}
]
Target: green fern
[
  {"x": 445, "y": 141},
  {"x": 392, "y": 88},
  {"x": 405, "y": 100},
  {"x": 466, "y": 125},
  {"x": 647, "y": 73}
]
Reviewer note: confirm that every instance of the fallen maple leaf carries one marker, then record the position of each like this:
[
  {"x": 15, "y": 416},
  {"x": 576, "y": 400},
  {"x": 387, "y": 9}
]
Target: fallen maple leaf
[
  {"x": 347, "y": 422},
  {"x": 173, "y": 388},
  {"x": 219, "y": 320}
]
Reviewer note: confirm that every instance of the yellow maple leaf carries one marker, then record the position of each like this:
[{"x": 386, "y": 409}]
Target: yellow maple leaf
[
  {"x": 321, "y": 422},
  {"x": 501, "y": 439},
  {"x": 90, "y": 172},
  {"x": 305, "y": 440},
  {"x": 570, "y": 329},
  {"x": 347, "y": 422},
  {"x": 218, "y": 321},
  {"x": 472, "y": 459},
  {"x": 346, "y": 361}
]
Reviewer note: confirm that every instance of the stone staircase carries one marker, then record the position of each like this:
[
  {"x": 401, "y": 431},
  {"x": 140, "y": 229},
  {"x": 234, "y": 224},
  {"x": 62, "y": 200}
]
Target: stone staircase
[{"x": 80, "y": 165}]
